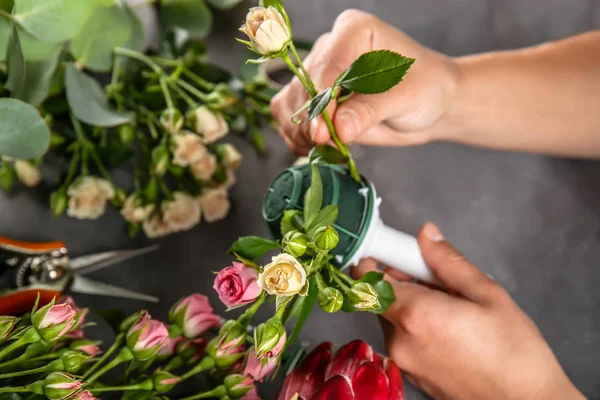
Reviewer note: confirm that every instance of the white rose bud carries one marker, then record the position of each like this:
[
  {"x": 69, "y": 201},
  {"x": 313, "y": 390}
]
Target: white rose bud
[
  {"x": 182, "y": 213},
  {"x": 187, "y": 149},
  {"x": 230, "y": 179},
  {"x": 88, "y": 196},
  {"x": 267, "y": 30},
  {"x": 204, "y": 169},
  {"x": 284, "y": 276},
  {"x": 27, "y": 173},
  {"x": 172, "y": 120},
  {"x": 209, "y": 124},
  {"x": 156, "y": 226},
  {"x": 215, "y": 204},
  {"x": 134, "y": 211},
  {"x": 232, "y": 158}
]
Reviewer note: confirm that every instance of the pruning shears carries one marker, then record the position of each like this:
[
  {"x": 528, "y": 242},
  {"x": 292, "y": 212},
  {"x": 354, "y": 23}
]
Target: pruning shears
[{"x": 28, "y": 269}]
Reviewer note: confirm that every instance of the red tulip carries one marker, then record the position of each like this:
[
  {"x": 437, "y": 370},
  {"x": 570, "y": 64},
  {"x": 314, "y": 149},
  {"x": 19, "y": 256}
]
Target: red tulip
[{"x": 353, "y": 372}]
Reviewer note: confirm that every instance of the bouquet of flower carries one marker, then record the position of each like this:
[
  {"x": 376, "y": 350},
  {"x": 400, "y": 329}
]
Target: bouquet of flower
[{"x": 162, "y": 116}]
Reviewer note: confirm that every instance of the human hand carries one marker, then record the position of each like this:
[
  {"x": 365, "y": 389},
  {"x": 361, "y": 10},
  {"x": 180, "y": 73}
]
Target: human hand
[
  {"x": 473, "y": 342},
  {"x": 410, "y": 113}
]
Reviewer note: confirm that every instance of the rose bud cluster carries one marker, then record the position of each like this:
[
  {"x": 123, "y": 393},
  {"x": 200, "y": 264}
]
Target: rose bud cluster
[
  {"x": 146, "y": 337},
  {"x": 194, "y": 315},
  {"x": 230, "y": 346}
]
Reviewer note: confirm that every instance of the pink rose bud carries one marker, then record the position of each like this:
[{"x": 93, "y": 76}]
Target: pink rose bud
[
  {"x": 7, "y": 324},
  {"x": 59, "y": 386},
  {"x": 251, "y": 395},
  {"x": 76, "y": 332},
  {"x": 269, "y": 338},
  {"x": 164, "y": 381},
  {"x": 84, "y": 395},
  {"x": 194, "y": 315},
  {"x": 170, "y": 346},
  {"x": 257, "y": 368},
  {"x": 238, "y": 385},
  {"x": 54, "y": 321},
  {"x": 146, "y": 337},
  {"x": 89, "y": 347},
  {"x": 237, "y": 285},
  {"x": 230, "y": 346},
  {"x": 192, "y": 351}
]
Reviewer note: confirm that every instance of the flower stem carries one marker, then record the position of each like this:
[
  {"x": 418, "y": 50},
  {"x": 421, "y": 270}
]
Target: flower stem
[
  {"x": 124, "y": 355},
  {"x": 205, "y": 364},
  {"x": 31, "y": 336},
  {"x": 187, "y": 98},
  {"x": 194, "y": 91},
  {"x": 122, "y": 51},
  {"x": 217, "y": 392},
  {"x": 203, "y": 83},
  {"x": 52, "y": 366},
  {"x": 310, "y": 87},
  {"x": 336, "y": 278},
  {"x": 105, "y": 356},
  {"x": 144, "y": 385},
  {"x": 116, "y": 71},
  {"x": 165, "y": 90},
  {"x": 14, "y": 389},
  {"x": 247, "y": 316}
]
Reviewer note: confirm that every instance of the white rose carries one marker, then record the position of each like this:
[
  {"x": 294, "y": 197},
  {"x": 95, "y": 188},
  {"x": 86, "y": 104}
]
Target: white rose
[
  {"x": 284, "y": 276},
  {"x": 204, "y": 168},
  {"x": 88, "y": 196},
  {"x": 209, "y": 124},
  {"x": 182, "y": 213},
  {"x": 266, "y": 29},
  {"x": 187, "y": 149},
  {"x": 156, "y": 226},
  {"x": 215, "y": 204},
  {"x": 232, "y": 158},
  {"x": 27, "y": 173},
  {"x": 134, "y": 211},
  {"x": 230, "y": 180}
]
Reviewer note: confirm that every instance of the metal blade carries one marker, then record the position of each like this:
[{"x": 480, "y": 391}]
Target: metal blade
[
  {"x": 85, "y": 285},
  {"x": 94, "y": 262}
]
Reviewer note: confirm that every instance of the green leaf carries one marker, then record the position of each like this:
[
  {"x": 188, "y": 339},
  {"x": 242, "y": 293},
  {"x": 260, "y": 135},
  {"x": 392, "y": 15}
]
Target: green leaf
[
  {"x": 87, "y": 101},
  {"x": 314, "y": 196},
  {"x": 191, "y": 15},
  {"x": 16, "y": 64},
  {"x": 375, "y": 72},
  {"x": 328, "y": 154},
  {"x": 33, "y": 48},
  {"x": 113, "y": 317},
  {"x": 53, "y": 20},
  {"x": 136, "y": 39},
  {"x": 10, "y": 396},
  {"x": 107, "y": 28},
  {"x": 23, "y": 132},
  {"x": 383, "y": 288},
  {"x": 326, "y": 216},
  {"x": 39, "y": 79},
  {"x": 7, "y": 5},
  {"x": 319, "y": 103},
  {"x": 282, "y": 301},
  {"x": 252, "y": 247},
  {"x": 224, "y": 4},
  {"x": 300, "y": 311},
  {"x": 292, "y": 220}
]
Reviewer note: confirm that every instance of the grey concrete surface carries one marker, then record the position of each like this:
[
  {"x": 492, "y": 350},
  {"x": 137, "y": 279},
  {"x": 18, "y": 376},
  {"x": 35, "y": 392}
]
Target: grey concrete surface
[{"x": 530, "y": 221}]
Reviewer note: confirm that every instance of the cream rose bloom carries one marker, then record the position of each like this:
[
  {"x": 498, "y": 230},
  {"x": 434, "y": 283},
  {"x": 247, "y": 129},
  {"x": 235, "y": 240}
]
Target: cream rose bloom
[
  {"x": 215, "y": 204},
  {"x": 267, "y": 30},
  {"x": 187, "y": 149},
  {"x": 133, "y": 210},
  {"x": 232, "y": 158},
  {"x": 230, "y": 179},
  {"x": 88, "y": 196},
  {"x": 204, "y": 168},
  {"x": 209, "y": 124},
  {"x": 27, "y": 173},
  {"x": 156, "y": 226},
  {"x": 182, "y": 213},
  {"x": 284, "y": 276}
]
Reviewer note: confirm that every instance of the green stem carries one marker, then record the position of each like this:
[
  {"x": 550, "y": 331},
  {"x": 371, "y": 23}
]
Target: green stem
[
  {"x": 122, "y": 51},
  {"x": 124, "y": 355},
  {"x": 301, "y": 65},
  {"x": 25, "y": 358},
  {"x": 320, "y": 281},
  {"x": 144, "y": 385},
  {"x": 247, "y": 316},
  {"x": 165, "y": 90},
  {"x": 152, "y": 129},
  {"x": 101, "y": 166},
  {"x": 217, "y": 392},
  {"x": 345, "y": 277},
  {"x": 31, "y": 336},
  {"x": 336, "y": 278},
  {"x": 105, "y": 356},
  {"x": 72, "y": 168},
  {"x": 205, "y": 364},
  {"x": 14, "y": 389},
  {"x": 194, "y": 91},
  {"x": 310, "y": 87},
  {"x": 53, "y": 366},
  {"x": 203, "y": 83},
  {"x": 116, "y": 71},
  {"x": 190, "y": 102}
]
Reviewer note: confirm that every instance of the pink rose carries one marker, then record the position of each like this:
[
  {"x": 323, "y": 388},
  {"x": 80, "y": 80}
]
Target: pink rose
[
  {"x": 170, "y": 346},
  {"x": 194, "y": 315},
  {"x": 76, "y": 331},
  {"x": 89, "y": 347},
  {"x": 251, "y": 395},
  {"x": 54, "y": 320},
  {"x": 85, "y": 395},
  {"x": 259, "y": 369},
  {"x": 146, "y": 337},
  {"x": 237, "y": 285}
]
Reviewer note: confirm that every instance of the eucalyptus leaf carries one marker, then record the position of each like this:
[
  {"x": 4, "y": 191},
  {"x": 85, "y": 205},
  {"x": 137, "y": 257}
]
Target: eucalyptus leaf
[
  {"x": 4, "y": 35},
  {"x": 384, "y": 290},
  {"x": 326, "y": 216},
  {"x": 53, "y": 20},
  {"x": 87, "y": 101},
  {"x": 39, "y": 79},
  {"x": 319, "y": 103},
  {"x": 300, "y": 311},
  {"x": 7, "y": 5},
  {"x": 314, "y": 195},
  {"x": 16, "y": 64},
  {"x": 252, "y": 247},
  {"x": 107, "y": 28},
  {"x": 292, "y": 220},
  {"x": 328, "y": 154},
  {"x": 375, "y": 72},
  {"x": 191, "y": 15},
  {"x": 137, "y": 37},
  {"x": 23, "y": 131},
  {"x": 33, "y": 48}
]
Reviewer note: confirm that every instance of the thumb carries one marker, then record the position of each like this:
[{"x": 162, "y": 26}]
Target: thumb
[
  {"x": 362, "y": 112},
  {"x": 453, "y": 269}
]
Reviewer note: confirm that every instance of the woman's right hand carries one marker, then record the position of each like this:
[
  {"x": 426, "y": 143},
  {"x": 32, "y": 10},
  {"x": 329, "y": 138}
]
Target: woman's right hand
[{"x": 414, "y": 112}]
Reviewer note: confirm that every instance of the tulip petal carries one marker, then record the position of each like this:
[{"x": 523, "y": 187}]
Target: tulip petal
[
  {"x": 337, "y": 388},
  {"x": 395, "y": 379},
  {"x": 370, "y": 382},
  {"x": 348, "y": 358},
  {"x": 309, "y": 375}
]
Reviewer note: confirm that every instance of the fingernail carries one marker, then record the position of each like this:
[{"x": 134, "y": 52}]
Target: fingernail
[
  {"x": 314, "y": 126},
  {"x": 433, "y": 232},
  {"x": 348, "y": 123}
]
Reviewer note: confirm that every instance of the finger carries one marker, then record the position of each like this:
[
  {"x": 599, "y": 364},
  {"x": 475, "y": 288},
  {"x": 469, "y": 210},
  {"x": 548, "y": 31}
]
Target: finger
[
  {"x": 452, "y": 268},
  {"x": 293, "y": 147},
  {"x": 397, "y": 274},
  {"x": 383, "y": 135}
]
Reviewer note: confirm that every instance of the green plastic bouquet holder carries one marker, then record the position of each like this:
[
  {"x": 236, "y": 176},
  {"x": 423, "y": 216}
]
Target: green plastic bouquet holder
[{"x": 361, "y": 230}]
